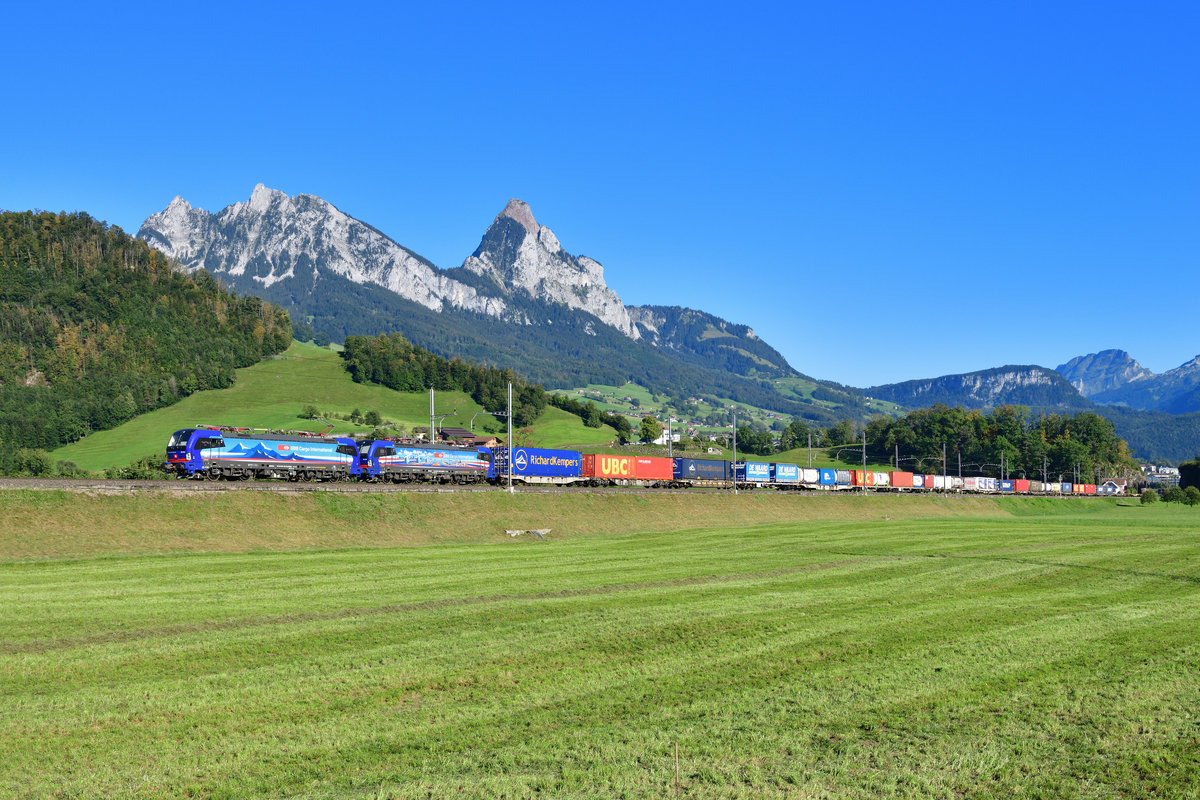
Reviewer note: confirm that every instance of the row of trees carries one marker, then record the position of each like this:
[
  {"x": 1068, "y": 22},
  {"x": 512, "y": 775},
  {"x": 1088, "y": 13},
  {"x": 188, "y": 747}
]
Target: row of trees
[
  {"x": 393, "y": 361},
  {"x": 1024, "y": 443},
  {"x": 1029, "y": 445}
]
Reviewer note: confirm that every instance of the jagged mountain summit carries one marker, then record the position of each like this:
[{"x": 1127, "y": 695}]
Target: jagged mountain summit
[
  {"x": 1103, "y": 371},
  {"x": 298, "y": 241},
  {"x": 1113, "y": 377},
  {"x": 518, "y": 254}
]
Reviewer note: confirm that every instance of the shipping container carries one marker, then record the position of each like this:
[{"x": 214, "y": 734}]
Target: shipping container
[
  {"x": 843, "y": 477},
  {"x": 535, "y": 465},
  {"x": 1068, "y": 488},
  {"x": 753, "y": 471},
  {"x": 931, "y": 482},
  {"x": 1020, "y": 485},
  {"x": 1054, "y": 487},
  {"x": 827, "y": 477},
  {"x": 956, "y": 483},
  {"x": 859, "y": 478},
  {"x": 785, "y": 473},
  {"x": 941, "y": 482},
  {"x": 882, "y": 478},
  {"x": 652, "y": 468},
  {"x": 700, "y": 471},
  {"x": 918, "y": 481},
  {"x": 971, "y": 484},
  {"x": 812, "y": 477},
  {"x": 1089, "y": 488},
  {"x": 607, "y": 467},
  {"x": 903, "y": 480},
  {"x": 1006, "y": 485}
]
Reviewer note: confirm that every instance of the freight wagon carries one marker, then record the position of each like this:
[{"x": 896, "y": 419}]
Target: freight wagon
[
  {"x": 534, "y": 465},
  {"x": 700, "y": 472},
  {"x": 752, "y": 473},
  {"x": 610, "y": 470}
]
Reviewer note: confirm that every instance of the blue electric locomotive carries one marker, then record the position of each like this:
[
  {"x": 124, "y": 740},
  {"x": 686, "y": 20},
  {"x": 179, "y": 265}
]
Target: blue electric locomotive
[{"x": 216, "y": 453}]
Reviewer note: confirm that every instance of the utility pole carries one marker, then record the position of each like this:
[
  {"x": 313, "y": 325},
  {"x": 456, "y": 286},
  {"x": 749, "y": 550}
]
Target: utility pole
[
  {"x": 944, "y": 472},
  {"x": 897, "y": 458},
  {"x": 670, "y": 438},
  {"x": 960, "y": 464},
  {"x": 734, "y": 462},
  {"x": 510, "y": 441},
  {"x": 810, "y": 449},
  {"x": 431, "y": 436},
  {"x": 864, "y": 460}
]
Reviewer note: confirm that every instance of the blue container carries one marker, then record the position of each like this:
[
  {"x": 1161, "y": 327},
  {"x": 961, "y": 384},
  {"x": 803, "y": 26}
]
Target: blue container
[
  {"x": 753, "y": 472},
  {"x": 785, "y": 473},
  {"x": 699, "y": 469},
  {"x": 828, "y": 477},
  {"x": 533, "y": 462},
  {"x": 1006, "y": 486},
  {"x": 1068, "y": 488}
]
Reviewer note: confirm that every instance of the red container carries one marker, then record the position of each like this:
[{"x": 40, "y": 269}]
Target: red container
[
  {"x": 860, "y": 478},
  {"x": 930, "y": 483},
  {"x": 652, "y": 468},
  {"x": 606, "y": 467},
  {"x": 1020, "y": 485},
  {"x": 1089, "y": 488},
  {"x": 902, "y": 480}
]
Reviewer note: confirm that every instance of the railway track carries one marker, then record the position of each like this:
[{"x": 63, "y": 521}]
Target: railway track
[{"x": 104, "y": 485}]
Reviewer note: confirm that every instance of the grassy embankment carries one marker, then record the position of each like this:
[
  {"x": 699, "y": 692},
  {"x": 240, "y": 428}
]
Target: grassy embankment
[
  {"x": 272, "y": 394},
  {"x": 810, "y": 647}
]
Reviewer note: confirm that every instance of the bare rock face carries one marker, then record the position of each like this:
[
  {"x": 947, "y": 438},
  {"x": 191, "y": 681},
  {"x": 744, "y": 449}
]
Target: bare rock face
[
  {"x": 520, "y": 255},
  {"x": 273, "y": 238},
  {"x": 1103, "y": 371}
]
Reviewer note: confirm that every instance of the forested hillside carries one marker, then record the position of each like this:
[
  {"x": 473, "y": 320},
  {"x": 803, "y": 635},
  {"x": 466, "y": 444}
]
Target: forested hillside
[
  {"x": 394, "y": 362},
  {"x": 96, "y": 327}
]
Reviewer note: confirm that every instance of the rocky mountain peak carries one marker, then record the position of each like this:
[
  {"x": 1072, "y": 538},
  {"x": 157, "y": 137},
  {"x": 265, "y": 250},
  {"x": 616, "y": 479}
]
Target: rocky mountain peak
[
  {"x": 521, "y": 255},
  {"x": 1103, "y": 371},
  {"x": 272, "y": 237},
  {"x": 262, "y": 198},
  {"x": 519, "y": 211}
]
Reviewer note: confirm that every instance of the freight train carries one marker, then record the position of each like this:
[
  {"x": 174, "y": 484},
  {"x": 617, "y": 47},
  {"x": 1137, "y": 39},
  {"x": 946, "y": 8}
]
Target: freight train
[{"x": 216, "y": 453}]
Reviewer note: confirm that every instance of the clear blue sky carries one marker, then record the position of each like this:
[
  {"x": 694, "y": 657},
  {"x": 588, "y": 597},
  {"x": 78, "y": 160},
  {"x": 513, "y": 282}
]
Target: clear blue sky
[{"x": 884, "y": 191}]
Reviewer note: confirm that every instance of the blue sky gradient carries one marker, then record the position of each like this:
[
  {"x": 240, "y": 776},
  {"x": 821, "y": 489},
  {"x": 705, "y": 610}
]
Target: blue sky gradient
[{"x": 884, "y": 191}]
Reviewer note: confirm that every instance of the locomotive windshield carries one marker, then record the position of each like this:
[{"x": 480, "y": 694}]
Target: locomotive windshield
[{"x": 179, "y": 439}]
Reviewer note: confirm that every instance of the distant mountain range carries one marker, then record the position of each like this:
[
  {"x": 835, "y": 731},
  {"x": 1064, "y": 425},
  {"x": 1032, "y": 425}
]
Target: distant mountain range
[
  {"x": 520, "y": 300},
  {"x": 1158, "y": 416}
]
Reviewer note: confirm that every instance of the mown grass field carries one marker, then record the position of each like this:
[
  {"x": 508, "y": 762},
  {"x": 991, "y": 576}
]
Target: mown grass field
[{"x": 790, "y": 646}]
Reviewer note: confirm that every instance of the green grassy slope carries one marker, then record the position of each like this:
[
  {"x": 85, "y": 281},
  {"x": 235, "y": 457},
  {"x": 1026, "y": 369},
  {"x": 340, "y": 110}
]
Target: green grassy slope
[
  {"x": 273, "y": 393},
  {"x": 993, "y": 653}
]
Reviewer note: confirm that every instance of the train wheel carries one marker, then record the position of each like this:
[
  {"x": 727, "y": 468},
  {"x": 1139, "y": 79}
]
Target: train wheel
[{"x": 212, "y": 474}]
